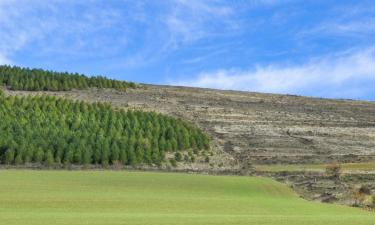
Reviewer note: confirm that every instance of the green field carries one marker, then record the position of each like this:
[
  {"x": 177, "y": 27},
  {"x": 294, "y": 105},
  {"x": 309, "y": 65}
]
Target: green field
[{"x": 116, "y": 197}]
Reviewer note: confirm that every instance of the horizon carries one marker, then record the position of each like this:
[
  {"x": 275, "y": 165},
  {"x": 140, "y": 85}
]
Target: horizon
[{"x": 318, "y": 49}]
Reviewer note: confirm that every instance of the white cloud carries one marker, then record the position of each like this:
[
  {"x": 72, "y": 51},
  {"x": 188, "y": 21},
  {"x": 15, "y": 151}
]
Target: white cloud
[
  {"x": 59, "y": 28},
  {"x": 344, "y": 75},
  {"x": 345, "y": 21},
  {"x": 364, "y": 27},
  {"x": 67, "y": 29},
  {"x": 191, "y": 20}
]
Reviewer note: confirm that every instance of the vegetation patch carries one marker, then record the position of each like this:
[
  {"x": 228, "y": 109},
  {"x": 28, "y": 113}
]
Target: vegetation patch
[
  {"x": 51, "y": 130},
  {"x": 110, "y": 197},
  {"x": 17, "y": 78},
  {"x": 344, "y": 167}
]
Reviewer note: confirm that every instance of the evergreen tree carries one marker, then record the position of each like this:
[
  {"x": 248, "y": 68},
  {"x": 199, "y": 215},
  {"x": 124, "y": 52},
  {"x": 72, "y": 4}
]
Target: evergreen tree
[
  {"x": 49, "y": 160},
  {"x": 38, "y": 156},
  {"x": 69, "y": 156},
  {"x": 77, "y": 156},
  {"x": 19, "y": 159},
  {"x": 9, "y": 156},
  {"x": 86, "y": 157},
  {"x": 123, "y": 156},
  {"x": 115, "y": 155}
]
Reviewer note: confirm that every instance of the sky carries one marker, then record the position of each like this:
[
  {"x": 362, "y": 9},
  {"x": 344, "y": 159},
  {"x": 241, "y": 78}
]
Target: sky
[{"x": 320, "y": 48}]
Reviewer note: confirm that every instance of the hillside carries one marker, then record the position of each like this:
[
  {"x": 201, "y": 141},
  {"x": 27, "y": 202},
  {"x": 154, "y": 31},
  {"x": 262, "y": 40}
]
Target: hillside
[
  {"x": 108, "y": 197},
  {"x": 289, "y": 138},
  {"x": 257, "y": 128}
]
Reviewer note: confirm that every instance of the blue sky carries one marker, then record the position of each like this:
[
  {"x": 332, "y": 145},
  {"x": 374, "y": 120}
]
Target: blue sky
[{"x": 316, "y": 48}]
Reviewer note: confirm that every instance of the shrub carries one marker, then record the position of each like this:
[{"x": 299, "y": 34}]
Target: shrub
[
  {"x": 358, "y": 197},
  {"x": 333, "y": 170},
  {"x": 186, "y": 158},
  {"x": 364, "y": 190},
  {"x": 178, "y": 157},
  {"x": 173, "y": 162}
]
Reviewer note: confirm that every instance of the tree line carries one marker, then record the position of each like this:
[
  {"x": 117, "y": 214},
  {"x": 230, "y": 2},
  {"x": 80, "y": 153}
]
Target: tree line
[
  {"x": 17, "y": 78},
  {"x": 51, "y": 130}
]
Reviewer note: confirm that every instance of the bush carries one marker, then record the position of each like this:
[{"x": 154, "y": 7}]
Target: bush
[
  {"x": 358, "y": 197},
  {"x": 173, "y": 162},
  {"x": 364, "y": 190},
  {"x": 186, "y": 158},
  {"x": 333, "y": 170},
  {"x": 207, "y": 159},
  {"x": 178, "y": 157}
]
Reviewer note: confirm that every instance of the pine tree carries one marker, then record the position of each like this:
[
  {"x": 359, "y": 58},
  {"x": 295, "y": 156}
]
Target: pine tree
[
  {"x": 19, "y": 159},
  {"x": 38, "y": 156},
  {"x": 156, "y": 157},
  {"x": 87, "y": 157},
  {"x": 9, "y": 156},
  {"x": 105, "y": 154},
  {"x": 115, "y": 155},
  {"x": 131, "y": 156},
  {"x": 123, "y": 156},
  {"x": 77, "y": 156},
  {"x": 49, "y": 161},
  {"x": 69, "y": 155}
]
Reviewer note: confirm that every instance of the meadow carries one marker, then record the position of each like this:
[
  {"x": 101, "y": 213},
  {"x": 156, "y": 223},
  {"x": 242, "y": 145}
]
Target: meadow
[{"x": 30, "y": 197}]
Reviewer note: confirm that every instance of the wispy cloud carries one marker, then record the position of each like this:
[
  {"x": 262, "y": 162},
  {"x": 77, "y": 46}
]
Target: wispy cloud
[
  {"x": 339, "y": 75},
  {"x": 357, "y": 28},
  {"x": 77, "y": 29},
  {"x": 345, "y": 21},
  {"x": 177, "y": 24},
  {"x": 193, "y": 20},
  {"x": 59, "y": 28}
]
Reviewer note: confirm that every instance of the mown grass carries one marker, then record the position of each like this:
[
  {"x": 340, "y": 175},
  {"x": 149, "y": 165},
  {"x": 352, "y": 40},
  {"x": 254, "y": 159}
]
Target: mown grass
[
  {"x": 108, "y": 197},
  {"x": 346, "y": 167}
]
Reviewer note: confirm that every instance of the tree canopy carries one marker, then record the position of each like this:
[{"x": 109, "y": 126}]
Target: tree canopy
[
  {"x": 17, "y": 78},
  {"x": 51, "y": 130}
]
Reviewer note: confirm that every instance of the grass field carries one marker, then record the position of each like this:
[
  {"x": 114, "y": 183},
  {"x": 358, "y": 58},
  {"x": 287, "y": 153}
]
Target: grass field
[
  {"x": 346, "y": 167},
  {"x": 108, "y": 197}
]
